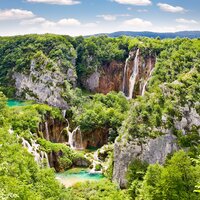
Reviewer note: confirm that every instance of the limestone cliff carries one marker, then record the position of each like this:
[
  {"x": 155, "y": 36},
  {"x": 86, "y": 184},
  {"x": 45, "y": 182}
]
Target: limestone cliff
[
  {"x": 154, "y": 150},
  {"x": 43, "y": 84},
  {"x": 115, "y": 76},
  {"x": 151, "y": 151}
]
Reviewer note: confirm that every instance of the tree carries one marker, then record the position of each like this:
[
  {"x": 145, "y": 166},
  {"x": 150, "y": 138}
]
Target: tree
[{"x": 175, "y": 181}]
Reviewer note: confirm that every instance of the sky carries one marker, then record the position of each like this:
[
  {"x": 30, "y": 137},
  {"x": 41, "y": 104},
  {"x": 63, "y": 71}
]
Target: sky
[{"x": 86, "y": 17}]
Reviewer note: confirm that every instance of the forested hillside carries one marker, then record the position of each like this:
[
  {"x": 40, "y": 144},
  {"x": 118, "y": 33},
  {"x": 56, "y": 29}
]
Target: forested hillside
[{"x": 135, "y": 101}]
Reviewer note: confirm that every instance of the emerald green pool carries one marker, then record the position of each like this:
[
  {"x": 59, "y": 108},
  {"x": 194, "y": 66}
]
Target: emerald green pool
[
  {"x": 69, "y": 178},
  {"x": 13, "y": 103}
]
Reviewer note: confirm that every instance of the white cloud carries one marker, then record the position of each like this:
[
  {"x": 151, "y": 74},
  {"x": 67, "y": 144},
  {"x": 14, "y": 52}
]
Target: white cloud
[
  {"x": 69, "y": 22},
  {"x": 112, "y": 17},
  {"x": 47, "y": 23},
  {"x": 137, "y": 23},
  {"x": 58, "y": 2},
  {"x": 14, "y": 14},
  {"x": 186, "y": 21},
  {"x": 37, "y": 20},
  {"x": 134, "y": 2},
  {"x": 169, "y": 8}
]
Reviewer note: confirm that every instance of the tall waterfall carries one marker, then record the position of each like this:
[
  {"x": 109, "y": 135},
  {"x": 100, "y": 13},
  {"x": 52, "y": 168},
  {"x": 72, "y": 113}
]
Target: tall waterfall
[
  {"x": 125, "y": 72},
  {"x": 133, "y": 77},
  {"x": 146, "y": 82},
  {"x": 40, "y": 157},
  {"x": 73, "y": 143}
]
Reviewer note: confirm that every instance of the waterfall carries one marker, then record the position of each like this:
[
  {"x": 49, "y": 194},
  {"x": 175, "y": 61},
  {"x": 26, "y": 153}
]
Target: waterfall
[
  {"x": 47, "y": 131},
  {"x": 95, "y": 162},
  {"x": 72, "y": 137},
  {"x": 133, "y": 77},
  {"x": 125, "y": 72},
  {"x": 64, "y": 113},
  {"x": 34, "y": 149},
  {"x": 146, "y": 82}
]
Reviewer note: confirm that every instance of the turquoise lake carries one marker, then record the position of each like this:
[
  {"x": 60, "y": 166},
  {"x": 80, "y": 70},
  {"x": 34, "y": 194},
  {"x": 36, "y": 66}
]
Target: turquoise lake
[
  {"x": 69, "y": 179},
  {"x": 15, "y": 103}
]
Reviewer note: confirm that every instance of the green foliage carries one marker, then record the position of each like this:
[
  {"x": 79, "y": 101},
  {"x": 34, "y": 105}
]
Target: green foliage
[
  {"x": 136, "y": 170},
  {"x": 110, "y": 163},
  {"x": 94, "y": 52},
  {"x": 20, "y": 177},
  {"x": 102, "y": 112},
  {"x": 176, "y": 180},
  {"x": 66, "y": 157},
  {"x": 135, "y": 174},
  {"x": 26, "y": 118},
  {"x": 173, "y": 86},
  {"x": 101, "y": 190},
  {"x": 53, "y": 51}
]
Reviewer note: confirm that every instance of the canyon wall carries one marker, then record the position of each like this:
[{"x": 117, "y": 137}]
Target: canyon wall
[{"x": 116, "y": 76}]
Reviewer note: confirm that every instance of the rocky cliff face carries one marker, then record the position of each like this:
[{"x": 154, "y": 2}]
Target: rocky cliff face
[
  {"x": 151, "y": 151},
  {"x": 97, "y": 138},
  {"x": 115, "y": 76},
  {"x": 55, "y": 130},
  {"x": 155, "y": 150},
  {"x": 52, "y": 130},
  {"x": 43, "y": 84},
  {"x": 145, "y": 64},
  {"x": 108, "y": 78}
]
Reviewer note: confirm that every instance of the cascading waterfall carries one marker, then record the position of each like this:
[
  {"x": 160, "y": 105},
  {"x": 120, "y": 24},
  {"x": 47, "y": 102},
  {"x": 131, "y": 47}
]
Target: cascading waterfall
[
  {"x": 95, "y": 162},
  {"x": 145, "y": 84},
  {"x": 40, "y": 157},
  {"x": 134, "y": 75},
  {"x": 72, "y": 137},
  {"x": 125, "y": 72}
]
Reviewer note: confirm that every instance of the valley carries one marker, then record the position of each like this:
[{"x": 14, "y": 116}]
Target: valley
[{"x": 99, "y": 117}]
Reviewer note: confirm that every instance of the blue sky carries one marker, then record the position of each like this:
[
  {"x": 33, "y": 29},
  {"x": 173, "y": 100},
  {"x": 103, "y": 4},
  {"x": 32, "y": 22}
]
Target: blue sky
[{"x": 82, "y": 17}]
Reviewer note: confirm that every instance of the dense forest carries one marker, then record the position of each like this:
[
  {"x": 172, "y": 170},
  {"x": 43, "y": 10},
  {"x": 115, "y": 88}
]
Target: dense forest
[{"x": 134, "y": 100}]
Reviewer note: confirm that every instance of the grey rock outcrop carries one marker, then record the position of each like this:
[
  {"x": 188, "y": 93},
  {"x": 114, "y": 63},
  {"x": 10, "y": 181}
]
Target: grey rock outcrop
[
  {"x": 92, "y": 83},
  {"x": 189, "y": 118},
  {"x": 42, "y": 84},
  {"x": 151, "y": 151}
]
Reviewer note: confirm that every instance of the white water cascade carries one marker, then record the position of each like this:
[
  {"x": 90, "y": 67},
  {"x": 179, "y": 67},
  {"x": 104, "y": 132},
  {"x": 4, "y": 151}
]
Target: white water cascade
[
  {"x": 72, "y": 137},
  {"x": 64, "y": 113},
  {"x": 40, "y": 157},
  {"x": 95, "y": 162},
  {"x": 146, "y": 82},
  {"x": 47, "y": 131},
  {"x": 134, "y": 75},
  {"x": 125, "y": 72}
]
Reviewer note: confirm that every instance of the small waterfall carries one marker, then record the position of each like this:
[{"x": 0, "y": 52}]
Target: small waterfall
[
  {"x": 146, "y": 82},
  {"x": 34, "y": 149},
  {"x": 133, "y": 77},
  {"x": 47, "y": 131},
  {"x": 72, "y": 137},
  {"x": 95, "y": 162},
  {"x": 125, "y": 72},
  {"x": 64, "y": 113}
]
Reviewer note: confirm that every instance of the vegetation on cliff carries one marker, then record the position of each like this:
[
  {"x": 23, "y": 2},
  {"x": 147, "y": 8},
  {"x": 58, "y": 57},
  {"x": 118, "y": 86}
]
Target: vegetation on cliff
[{"x": 170, "y": 105}]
